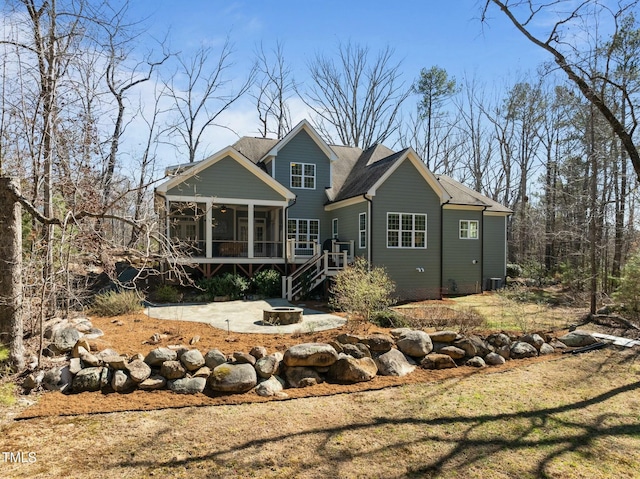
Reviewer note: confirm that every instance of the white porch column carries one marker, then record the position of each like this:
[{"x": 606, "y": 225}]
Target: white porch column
[
  {"x": 208, "y": 236},
  {"x": 251, "y": 227}
]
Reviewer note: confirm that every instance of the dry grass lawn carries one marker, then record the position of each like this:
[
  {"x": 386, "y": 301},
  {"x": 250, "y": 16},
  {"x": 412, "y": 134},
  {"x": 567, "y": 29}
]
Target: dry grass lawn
[
  {"x": 559, "y": 417},
  {"x": 573, "y": 417}
]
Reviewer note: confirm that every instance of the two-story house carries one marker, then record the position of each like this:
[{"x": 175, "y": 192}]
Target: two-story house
[{"x": 306, "y": 208}]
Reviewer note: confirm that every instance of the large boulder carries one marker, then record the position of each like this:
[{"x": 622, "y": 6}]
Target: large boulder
[
  {"x": 271, "y": 387},
  {"x": 188, "y": 385},
  {"x": 455, "y": 353},
  {"x": 138, "y": 370},
  {"x": 379, "y": 342},
  {"x": 577, "y": 339},
  {"x": 534, "y": 340},
  {"x": 347, "y": 338},
  {"x": 122, "y": 383},
  {"x": 358, "y": 350},
  {"x": 443, "y": 336},
  {"x": 258, "y": 352},
  {"x": 214, "y": 358},
  {"x": 91, "y": 379},
  {"x": 267, "y": 366},
  {"x": 521, "y": 350},
  {"x": 482, "y": 347},
  {"x": 57, "y": 379},
  {"x": 349, "y": 370},
  {"x": 438, "y": 361},
  {"x": 64, "y": 339},
  {"x": 242, "y": 357},
  {"x": 302, "y": 377},
  {"x": 467, "y": 346},
  {"x": 498, "y": 339},
  {"x": 153, "y": 382},
  {"x": 546, "y": 348},
  {"x": 192, "y": 360},
  {"x": 476, "y": 362},
  {"x": 310, "y": 354},
  {"x": 415, "y": 343},
  {"x": 494, "y": 359},
  {"x": 157, "y": 356},
  {"x": 233, "y": 378},
  {"x": 394, "y": 363},
  {"x": 173, "y": 370}
]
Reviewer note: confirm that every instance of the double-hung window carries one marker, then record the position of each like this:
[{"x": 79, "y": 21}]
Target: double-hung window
[
  {"x": 406, "y": 230},
  {"x": 362, "y": 230},
  {"x": 303, "y": 175},
  {"x": 468, "y": 229}
]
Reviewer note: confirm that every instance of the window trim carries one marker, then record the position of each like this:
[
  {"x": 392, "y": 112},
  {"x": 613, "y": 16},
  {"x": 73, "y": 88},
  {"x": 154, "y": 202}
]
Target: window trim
[
  {"x": 468, "y": 229},
  {"x": 412, "y": 230},
  {"x": 334, "y": 228},
  {"x": 302, "y": 176},
  {"x": 362, "y": 232},
  {"x": 296, "y": 237}
]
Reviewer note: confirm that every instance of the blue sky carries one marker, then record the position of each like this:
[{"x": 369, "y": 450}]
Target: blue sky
[{"x": 423, "y": 33}]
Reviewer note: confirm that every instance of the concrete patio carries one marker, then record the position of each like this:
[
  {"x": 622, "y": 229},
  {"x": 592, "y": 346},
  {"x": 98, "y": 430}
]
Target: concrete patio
[{"x": 245, "y": 316}]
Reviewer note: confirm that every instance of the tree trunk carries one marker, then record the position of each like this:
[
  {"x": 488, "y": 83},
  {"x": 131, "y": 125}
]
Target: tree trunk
[{"x": 11, "y": 328}]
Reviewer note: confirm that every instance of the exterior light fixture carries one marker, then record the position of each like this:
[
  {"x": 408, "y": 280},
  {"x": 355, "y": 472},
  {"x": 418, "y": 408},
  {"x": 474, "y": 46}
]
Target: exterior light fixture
[{"x": 223, "y": 209}]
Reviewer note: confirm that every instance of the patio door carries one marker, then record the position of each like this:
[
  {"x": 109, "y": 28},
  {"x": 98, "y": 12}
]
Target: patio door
[{"x": 259, "y": 234}]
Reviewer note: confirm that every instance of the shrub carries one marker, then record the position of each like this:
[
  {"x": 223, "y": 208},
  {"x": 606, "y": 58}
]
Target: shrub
[
  {"x": 268, "y": 283},
  {"x": 463, "y": 320},
  {"x": 514, "y": 270},
  {"x": 362, "y": 291},
  {"x": 388, "y": 318},
  {"x": 167, "y": 294},
  {"x": 115, "y": 303},
  {"x": 232, "y": 285}
]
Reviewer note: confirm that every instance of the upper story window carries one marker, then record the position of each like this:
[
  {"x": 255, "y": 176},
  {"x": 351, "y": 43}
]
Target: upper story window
[
  {"x": 468, "y": 229},
  {"x": 303, "y": 175},
  {"x": 406, "y": 230}
]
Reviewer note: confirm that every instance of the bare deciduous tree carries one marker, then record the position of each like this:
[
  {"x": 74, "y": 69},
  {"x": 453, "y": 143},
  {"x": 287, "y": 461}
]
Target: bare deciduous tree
[
  {"x": 273, "y": 90},
  {"x": 200, "y": 91},
  {"x": 575, "y": 63},
  {"x": 356, "y": 97}
]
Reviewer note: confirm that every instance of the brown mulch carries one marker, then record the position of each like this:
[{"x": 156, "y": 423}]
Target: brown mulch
[{"x": 131, "y": 334}]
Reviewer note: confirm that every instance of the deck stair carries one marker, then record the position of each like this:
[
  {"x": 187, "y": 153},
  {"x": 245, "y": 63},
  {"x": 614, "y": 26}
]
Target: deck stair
[{"x": 312, "y": 273}]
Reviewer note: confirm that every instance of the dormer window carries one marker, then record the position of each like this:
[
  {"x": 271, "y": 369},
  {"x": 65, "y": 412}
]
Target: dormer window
[{"x": 303, "y": 175}]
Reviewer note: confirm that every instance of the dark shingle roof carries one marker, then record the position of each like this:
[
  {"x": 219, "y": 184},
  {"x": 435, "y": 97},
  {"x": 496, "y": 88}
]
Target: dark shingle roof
[
  {"x": 371, "y": 165},
  {"x": 254, "y": 148},
  {"x": 355, "y": 171},
  {"x": 463, "y": 195}
]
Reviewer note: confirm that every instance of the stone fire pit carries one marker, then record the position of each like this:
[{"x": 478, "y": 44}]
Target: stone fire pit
[{"x": 281, "y": 315}]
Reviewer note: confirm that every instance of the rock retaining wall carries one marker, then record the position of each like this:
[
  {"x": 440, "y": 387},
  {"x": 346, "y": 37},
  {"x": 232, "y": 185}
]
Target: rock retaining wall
[{"x": 347, "y": 359}]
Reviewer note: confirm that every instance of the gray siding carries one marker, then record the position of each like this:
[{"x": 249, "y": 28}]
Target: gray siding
[
  {"x": 309, "y": 202},
  {"x": 495, "y": 243},
  {"x": 462, "y": 258},
  {"x": 227, "y": 179},
  {"x": 348, "y": 218},
  {"x": 406, "y": 191}
]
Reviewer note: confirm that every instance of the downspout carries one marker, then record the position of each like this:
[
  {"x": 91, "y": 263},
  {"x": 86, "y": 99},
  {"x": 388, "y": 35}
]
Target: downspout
[
  {"x": 369, "y": 222},
  {"x": 284, "y": 230},
  {"x": 482, "y": 249},
  {"x": 442, "y": 205}
]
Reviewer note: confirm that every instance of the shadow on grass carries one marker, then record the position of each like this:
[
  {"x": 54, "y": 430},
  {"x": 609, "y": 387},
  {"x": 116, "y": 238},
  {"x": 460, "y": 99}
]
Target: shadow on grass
[{"x": 460, "y": 441}]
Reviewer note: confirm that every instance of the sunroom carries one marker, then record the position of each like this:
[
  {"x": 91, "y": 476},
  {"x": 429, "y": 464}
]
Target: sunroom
[{"x": 205, "y": 231}]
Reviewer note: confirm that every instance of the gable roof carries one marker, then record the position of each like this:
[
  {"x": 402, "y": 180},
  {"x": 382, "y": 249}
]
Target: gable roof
[
  {"x": 375, "y": 165},
  {"x": 463, "y": 195},
  {"x": 229, "y": 151},
  {"x": 354, "y": 172},
  {"x": 306, "y": 126}
]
